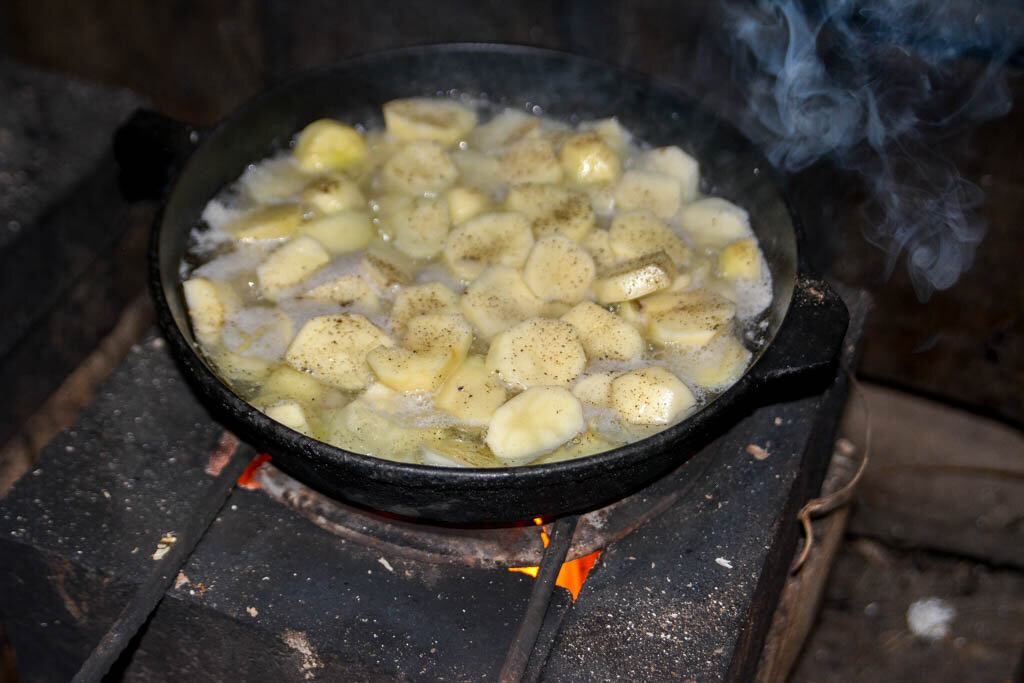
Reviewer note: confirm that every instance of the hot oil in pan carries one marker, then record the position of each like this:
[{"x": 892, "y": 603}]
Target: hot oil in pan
[{"x": 257, "y": 336}]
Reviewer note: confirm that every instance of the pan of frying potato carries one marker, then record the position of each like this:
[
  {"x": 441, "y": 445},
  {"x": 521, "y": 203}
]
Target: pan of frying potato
[{"x": 479, "y": 284}]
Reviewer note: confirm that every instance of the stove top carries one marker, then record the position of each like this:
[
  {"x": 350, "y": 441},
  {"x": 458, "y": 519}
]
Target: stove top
[{"x": 288, "y": 585}]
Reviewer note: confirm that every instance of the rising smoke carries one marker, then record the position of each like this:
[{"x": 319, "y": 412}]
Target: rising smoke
[{"x": 872, "y": 85}]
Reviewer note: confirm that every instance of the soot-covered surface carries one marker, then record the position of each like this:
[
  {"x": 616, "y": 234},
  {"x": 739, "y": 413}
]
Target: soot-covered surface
[
  {"x": 71, "y": 249},
  {"x": 269, "y": 595}
]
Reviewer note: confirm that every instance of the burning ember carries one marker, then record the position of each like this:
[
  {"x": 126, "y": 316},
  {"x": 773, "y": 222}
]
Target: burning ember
[
  {"x": 247, "y": 479},
  {"x": 572, "y": 575}
]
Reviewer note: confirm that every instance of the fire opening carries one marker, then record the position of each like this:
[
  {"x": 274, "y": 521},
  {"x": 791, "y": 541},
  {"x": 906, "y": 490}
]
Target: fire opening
[
  {"x": 247, "y": 480},
  {"x": 572, "y": 575}
]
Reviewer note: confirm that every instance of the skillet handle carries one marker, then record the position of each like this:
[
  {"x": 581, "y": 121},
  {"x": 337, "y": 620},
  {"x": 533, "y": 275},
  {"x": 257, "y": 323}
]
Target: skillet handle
[
  {"x": 150, "y": 148},
  {"x": 803, "y": 356}
]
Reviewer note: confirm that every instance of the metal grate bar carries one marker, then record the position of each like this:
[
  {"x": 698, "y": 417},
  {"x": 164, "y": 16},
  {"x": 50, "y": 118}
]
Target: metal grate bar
[
  {"x": 152, "y": 590},
  {"x": 554, "y": 556}
]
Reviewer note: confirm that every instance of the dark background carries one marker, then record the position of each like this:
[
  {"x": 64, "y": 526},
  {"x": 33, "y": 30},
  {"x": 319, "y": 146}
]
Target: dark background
[{"x": 198, "y": 60}]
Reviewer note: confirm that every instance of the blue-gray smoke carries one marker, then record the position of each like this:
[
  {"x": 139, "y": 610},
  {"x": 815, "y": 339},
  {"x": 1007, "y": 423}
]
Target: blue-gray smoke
[{"x": 872, "y": 85}]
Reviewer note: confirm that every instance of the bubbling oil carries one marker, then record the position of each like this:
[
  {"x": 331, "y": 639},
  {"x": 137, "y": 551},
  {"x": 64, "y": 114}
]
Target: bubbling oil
[{"x": 258, "y": 329}]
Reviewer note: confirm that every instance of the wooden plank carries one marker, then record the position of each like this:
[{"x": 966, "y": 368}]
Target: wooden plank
[{"x": 941, "y": 478}]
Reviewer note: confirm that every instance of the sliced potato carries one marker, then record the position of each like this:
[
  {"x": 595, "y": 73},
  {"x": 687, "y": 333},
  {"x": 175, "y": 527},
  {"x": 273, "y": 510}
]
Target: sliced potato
[
  {"x": 718, "y": 364},
  {"x": 472, "y": 394},
  {"x": 289, "y": 265},
  {"x": 497, "y": 300},
  {"x": 361, "y": 428},
  {"x": 504, "y": 129},
  {"x": 291, "y": 415},
  {"x": 405, "y": 370},
  {"x": 346, "y": 290},
  {"x": 537, "y": 352},
  {"x": 580, "y": 446},
  {"x": 595, "y": 389},
  {"x": 689, "y": 318},
  {"x": 421, "y": 166},
  {"x": 334, "y": 192},
  {"x": 638, "y": 233},
  {"x": 386, "y": 267},
  {"x": 466, "y": 202},
  {"x": 533, "y": 423},
  {"x": 651, "y": 395},
  {"x": 240, "y": 368},
  {"x": 558, "y": 269},
  {"x": 531, "y": 160},
  {"x": 341, "y": 232},
  {"x": 714, "y": 222},
  {"x": 208, "y": 305},
  {"x": 740, "y": 260},
  {"x": 417, "y": 300},
  {"x": 266, "y": 223},
  {"x": 333, "y": 348},
  {"x": 605, "y": 336},
  {"x": 635, "y": 278},
  {"x": 287, "y": 383},
  {"x": 421, "y": 227},
  {"x": 492, "y": 239},
  {"x": 673, "y": 161},
  {"x": 586, "y": 159},
  {"x": 660, "y": 193},
  {"x": 327, "y": 144},
  {"x": 552, "y": 209},
  {"x": 422, "y": 118}
]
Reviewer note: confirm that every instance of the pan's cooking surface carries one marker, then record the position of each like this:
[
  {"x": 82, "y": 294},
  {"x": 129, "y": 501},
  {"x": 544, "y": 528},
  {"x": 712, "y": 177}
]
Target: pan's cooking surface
[{"x": 563, "y": 86}]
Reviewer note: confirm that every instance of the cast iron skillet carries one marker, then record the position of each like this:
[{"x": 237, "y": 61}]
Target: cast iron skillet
[{"x": 805, "y": 323}]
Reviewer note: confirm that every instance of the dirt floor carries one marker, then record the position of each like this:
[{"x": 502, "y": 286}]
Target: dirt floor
[
  {"x": 939, "y": 514},
  {"x": 862, "y": 633}
]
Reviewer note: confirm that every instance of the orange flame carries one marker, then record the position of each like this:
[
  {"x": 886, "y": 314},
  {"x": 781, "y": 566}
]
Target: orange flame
[
  {"x": 573, "y": 573},
  {"x": 247, "y": 479}
]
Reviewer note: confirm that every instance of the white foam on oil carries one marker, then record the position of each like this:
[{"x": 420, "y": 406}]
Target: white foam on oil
[
  {"x": 436, "y": 272},
  {"x": 243, "y": 259},
  {"x": 217, "y": 214},
  {"x": 609, "y": 425},
  {"x": 279, "y": 178},
  {"x": 348, "y": 264},
  {"x": 753, "y": 296},
  {"x": 301, "y": 311},
  {"x": 258, "y": 332},
  {"x": 409, "y": 410}
]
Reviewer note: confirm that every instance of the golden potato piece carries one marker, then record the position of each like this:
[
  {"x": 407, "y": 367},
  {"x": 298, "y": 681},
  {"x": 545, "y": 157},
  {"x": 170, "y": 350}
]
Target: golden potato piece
[
  {"x": 426, "y": 118},
  {"x": 472, "y": 394},
  {"x": 266, "y": 223},
  {"x": 740, "y": 260},
  {"x": 326, "y": 144},
  {"x": 586, "y": 159},
  {"x": 333, "y": 348},
  {"x": 289, "y": 265},
  {"x": 651, "y": 396},
  {"x": 633, "y": 279},
  {"x": 537, "y": 352}
]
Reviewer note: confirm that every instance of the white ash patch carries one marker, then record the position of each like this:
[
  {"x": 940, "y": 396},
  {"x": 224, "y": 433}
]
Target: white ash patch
[{"x": 930, "y": 618}]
